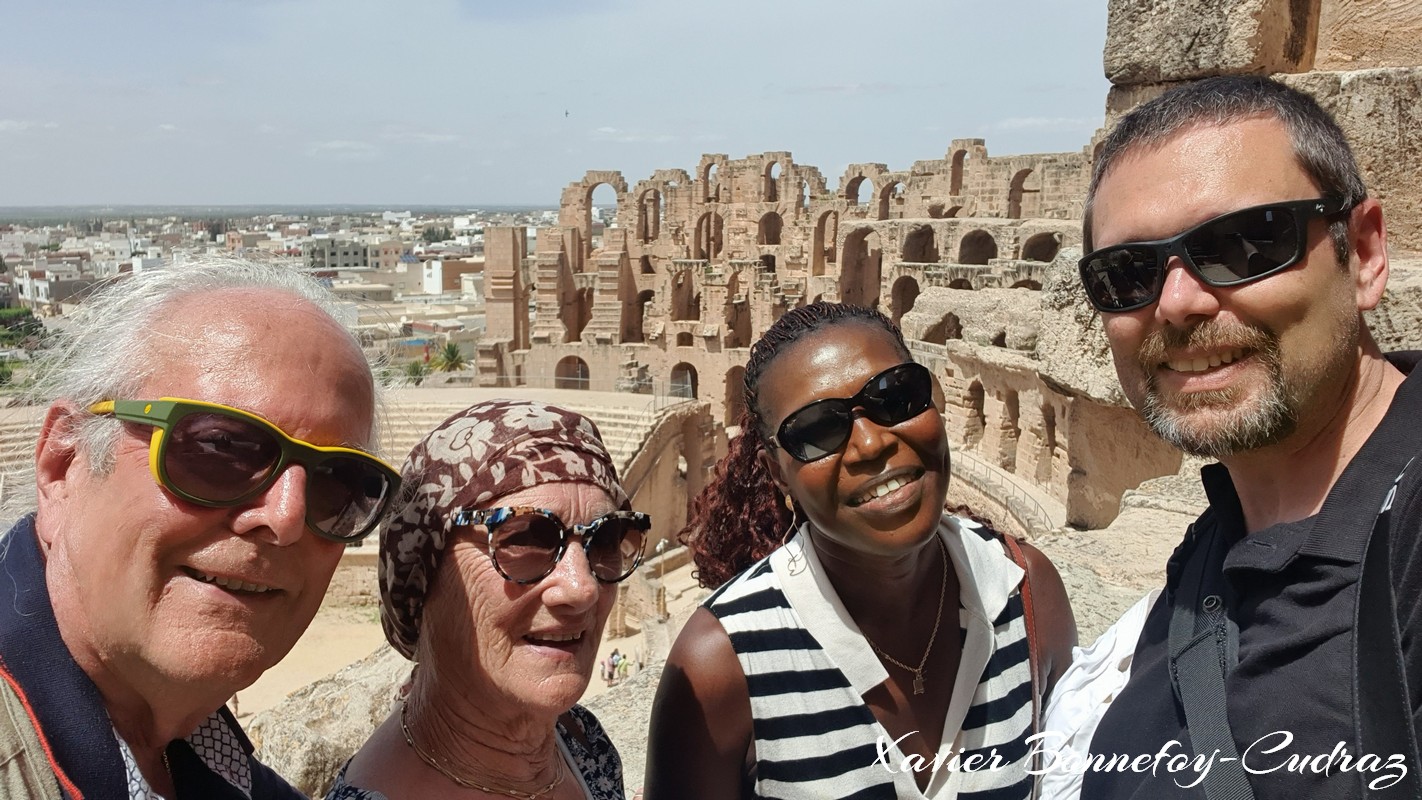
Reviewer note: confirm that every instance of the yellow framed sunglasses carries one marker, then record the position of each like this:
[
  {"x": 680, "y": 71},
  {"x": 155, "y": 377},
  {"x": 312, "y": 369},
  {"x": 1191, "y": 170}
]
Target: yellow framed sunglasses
[{"x": 219, "y": 456}]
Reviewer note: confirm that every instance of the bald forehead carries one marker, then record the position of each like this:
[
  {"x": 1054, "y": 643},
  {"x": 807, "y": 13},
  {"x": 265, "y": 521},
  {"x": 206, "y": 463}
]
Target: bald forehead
[{"x": 257, "y": 348}]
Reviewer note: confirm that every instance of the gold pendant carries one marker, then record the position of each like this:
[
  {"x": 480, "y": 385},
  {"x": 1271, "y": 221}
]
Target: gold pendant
[{"x": 918, "y": 684}]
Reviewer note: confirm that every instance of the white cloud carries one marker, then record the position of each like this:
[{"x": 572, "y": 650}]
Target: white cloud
[
  {"x": 417, "y": 137},
  {"x": 22, "y": 125},
  {"x": 343, "y": 150},
  {"x": 608, "y": 134},
  {"x": 1032, "y": 123},
  {"x": 167, "y": 127}
]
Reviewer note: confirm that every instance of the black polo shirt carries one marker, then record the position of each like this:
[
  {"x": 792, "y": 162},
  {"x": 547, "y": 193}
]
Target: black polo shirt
[{"x": 1290, "y": 700}]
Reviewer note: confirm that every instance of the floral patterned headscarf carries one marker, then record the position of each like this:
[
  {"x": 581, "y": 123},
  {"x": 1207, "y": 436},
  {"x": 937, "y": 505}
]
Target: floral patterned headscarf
[{"x": 481, "y": 453}]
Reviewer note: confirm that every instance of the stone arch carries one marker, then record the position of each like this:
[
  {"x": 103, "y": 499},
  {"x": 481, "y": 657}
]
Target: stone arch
[
  {"x": 571, "y": 373},
  {"x": 975, "y": 423},
  {"x": 891, "y": 200},
  {"x": 736, "y": 315},
  {"x": 685, "y": 339},
  {"x": 1027, "y": 283},
  {"x": 769, "y": 227},
  {"x": 920, "y": 247},
  {"x": 645, "y": 264},
  {"x": 634, "y": 317},
  {"x": 955, "y": 179},
  {"x": 952, "y": 212},
  {"x": 1009, "y": 429},
  {"x": 904, "y": 295},
  {"x": 770, "y": 186},
  {"x": 1019, "y": 189},
  {"x": 823, "y": 250},
  {"x": 804, "y": 196},
  {"x": 683, "y": 381},
  {"x": 710, "y": 186},
  {"x": 710, "y": 230},
  {"x": 961, "y": 283},
  {"x": 649, "y": 215},
  {"x": 735, "y": 396},
  {"x": 949, "y": 327},
  {"x": 608, "y": 218},
  {"x": 978, "y": 247},
  {"x": 1048, "y": 447},
  {"x": 685, "y": 300},
  {"x": 855, "y": 193},
  {"x": 862, "y": 272},
  {"x": 574, "y": 307},
  {"x": 1042, "y": 247}
]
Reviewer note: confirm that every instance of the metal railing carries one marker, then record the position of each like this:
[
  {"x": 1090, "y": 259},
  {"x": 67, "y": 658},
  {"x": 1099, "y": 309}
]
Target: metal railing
[{"x": 991, "y": 481}]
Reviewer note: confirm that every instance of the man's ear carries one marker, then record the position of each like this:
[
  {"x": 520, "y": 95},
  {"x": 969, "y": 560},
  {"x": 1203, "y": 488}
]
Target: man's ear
[
  {"x": 54, "y": 463},
  {"x": 1367, "y": 234}
]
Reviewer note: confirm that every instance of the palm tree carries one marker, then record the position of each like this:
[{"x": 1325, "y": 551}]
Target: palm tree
[
  {"x": 449, "y": 358},
  {"x": 416, "y": 371}
]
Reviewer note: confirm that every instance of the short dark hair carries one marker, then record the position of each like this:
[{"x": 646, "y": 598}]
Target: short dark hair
[{"x": 1319, "y": 144}]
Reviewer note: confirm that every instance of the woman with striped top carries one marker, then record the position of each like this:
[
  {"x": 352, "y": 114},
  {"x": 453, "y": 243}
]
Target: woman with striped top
[{"x": 862, "y": 643}]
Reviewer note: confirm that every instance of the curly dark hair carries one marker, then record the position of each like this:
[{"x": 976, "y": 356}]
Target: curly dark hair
[{"x": 741, "y": 515}]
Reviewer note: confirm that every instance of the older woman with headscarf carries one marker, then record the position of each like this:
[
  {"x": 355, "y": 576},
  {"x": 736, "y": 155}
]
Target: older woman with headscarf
[{"x": 496, "y": 580}]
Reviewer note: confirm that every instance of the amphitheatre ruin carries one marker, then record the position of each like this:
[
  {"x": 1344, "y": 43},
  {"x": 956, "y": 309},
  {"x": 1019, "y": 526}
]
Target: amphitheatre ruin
[{"x": 645, "y": 323}]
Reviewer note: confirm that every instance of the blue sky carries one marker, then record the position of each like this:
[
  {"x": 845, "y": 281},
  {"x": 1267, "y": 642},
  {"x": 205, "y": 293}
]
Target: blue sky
[{"x": 482, "y": 102}]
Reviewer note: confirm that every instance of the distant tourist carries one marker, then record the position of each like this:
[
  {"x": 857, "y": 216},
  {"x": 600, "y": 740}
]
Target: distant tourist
[
  {"x": 496, "y": 580},
  {"x": 1233, "y": 250},
  {"x": 829, "y": 662},
  {"x": 198, "y": 476}
]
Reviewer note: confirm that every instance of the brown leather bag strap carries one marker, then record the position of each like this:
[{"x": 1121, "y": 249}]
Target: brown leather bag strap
[{"x": 1029, "y": 619}]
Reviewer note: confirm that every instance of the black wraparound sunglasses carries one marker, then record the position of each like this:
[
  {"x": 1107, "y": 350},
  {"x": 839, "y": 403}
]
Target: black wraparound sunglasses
[
  {"x": 1229, "y": 250},
  {"x": 895, "y": 395}
]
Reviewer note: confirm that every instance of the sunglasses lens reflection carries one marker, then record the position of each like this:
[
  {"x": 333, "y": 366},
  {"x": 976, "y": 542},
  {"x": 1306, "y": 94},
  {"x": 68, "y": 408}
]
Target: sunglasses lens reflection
[{"x": 218, "y": 458}]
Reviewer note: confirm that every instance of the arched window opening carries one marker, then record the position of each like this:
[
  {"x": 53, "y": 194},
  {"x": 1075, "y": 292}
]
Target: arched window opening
[
  {"x": 771, "y": 187},
  {"x": 978, "y": 247},
  {"x": 905, "y": 294},
  {"x": 571, "y": 373},
  {"x": 683, "y": 381},
  {"x": 955, "y": 180},
  {"x": 1042, "y": 247},
  {"x": 919, "y": 246},
  {"x": 768, "y": 229}
]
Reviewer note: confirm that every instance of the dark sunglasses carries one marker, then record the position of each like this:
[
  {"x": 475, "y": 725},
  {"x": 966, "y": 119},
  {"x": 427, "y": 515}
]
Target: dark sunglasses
[
  {"x": 1231, "y": 249},
  {"x": 526, "y": 543},
  {"x": 895, "y": 395},
  {"x": 219, "y": 456}
]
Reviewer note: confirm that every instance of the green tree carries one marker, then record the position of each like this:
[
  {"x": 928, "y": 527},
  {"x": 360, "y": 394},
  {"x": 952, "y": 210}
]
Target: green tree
[
  {"x": 435, "y": 234},
  {"x": 416, "y": 371},
  {"x": 449, "y": 358}
]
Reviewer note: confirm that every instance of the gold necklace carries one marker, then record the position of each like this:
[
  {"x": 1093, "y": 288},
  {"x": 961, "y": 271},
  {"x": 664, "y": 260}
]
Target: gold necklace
[
  {"x": 469, "y": 784},
  {"x": 922, "y": 662}
]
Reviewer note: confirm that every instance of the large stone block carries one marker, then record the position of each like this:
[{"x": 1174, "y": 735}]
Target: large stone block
[
  {"x": 1149, "y": 41},
  {"x": 1381, "y": 112},
  {"x": 1361, "y": 34}
]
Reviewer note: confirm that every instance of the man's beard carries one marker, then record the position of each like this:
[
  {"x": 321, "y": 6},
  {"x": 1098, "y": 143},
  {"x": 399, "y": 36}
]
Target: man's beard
[{"x": 1222, "y": 422}]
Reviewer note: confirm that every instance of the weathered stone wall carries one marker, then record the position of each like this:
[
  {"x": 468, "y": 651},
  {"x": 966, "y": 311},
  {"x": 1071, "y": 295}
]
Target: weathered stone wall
[{"x": 1360, "y": 58}]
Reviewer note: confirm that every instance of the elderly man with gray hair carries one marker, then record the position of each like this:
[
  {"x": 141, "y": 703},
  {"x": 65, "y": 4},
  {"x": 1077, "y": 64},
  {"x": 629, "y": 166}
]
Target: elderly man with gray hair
[{"x": 201, "y": 466}]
